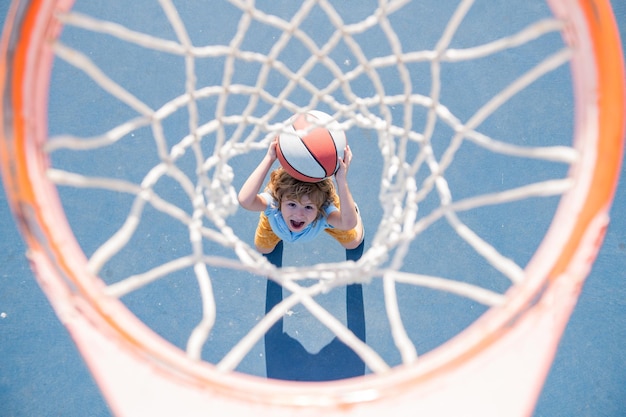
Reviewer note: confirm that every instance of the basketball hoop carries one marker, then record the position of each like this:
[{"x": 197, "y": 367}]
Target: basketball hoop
[{"x": 494, "y": 367}]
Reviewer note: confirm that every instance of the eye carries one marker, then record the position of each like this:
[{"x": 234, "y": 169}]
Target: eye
[
  {"x": 310, "y": 208},
  {"x": 291, "y": 204}
]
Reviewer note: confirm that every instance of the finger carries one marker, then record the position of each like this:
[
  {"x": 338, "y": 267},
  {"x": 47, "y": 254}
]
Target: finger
[
  {"x": 347, "y": 156},
  {"x": 347, "y": 153}
]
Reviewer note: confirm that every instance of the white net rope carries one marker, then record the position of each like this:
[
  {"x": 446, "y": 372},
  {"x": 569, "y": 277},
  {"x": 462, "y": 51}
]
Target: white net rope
[{"x": 406, "y": 152}]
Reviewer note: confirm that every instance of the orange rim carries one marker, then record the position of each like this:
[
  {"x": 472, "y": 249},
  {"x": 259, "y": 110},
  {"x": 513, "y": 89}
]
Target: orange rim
[{"x": 24, "y": 78}]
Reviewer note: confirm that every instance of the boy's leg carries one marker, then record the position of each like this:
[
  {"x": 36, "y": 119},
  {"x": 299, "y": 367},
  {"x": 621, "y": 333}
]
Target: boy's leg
[
  {"x": 355, "y": 253},
  {"x": 275, "y": 339},
  {"x": 276, "y": 255},
  {"x": 354, "y": 298},
  {"x": 274, "y": 292}
]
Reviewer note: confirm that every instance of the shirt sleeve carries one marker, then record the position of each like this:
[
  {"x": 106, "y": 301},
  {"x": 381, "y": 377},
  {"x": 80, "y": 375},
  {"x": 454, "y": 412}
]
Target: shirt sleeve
[
  {"x": 327, "y": 211},
  {"x": 270, "y": 200}
]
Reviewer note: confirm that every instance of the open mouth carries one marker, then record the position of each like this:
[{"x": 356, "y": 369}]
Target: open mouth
[{"x": 296, "y": 225}]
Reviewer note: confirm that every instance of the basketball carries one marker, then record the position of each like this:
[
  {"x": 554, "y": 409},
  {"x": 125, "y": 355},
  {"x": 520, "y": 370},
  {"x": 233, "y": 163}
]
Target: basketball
[{"x": 309, "y": 148}]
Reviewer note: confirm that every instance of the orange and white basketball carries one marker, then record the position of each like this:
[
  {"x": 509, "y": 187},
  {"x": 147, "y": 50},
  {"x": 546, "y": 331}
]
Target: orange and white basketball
[{"x": 310, "y": 147}]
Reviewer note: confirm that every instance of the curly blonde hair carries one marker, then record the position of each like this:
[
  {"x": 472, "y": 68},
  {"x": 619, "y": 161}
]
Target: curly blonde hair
[{"x": 283, "y": 186}]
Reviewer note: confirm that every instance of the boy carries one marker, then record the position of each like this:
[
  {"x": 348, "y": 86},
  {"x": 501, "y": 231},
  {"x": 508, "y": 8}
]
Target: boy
[{"x": 292, "y": 210}]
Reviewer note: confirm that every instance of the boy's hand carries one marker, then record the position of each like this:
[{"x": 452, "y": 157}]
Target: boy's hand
[
  {"x": 271, "y": 150},
  {"x": 344, "y": 164}
]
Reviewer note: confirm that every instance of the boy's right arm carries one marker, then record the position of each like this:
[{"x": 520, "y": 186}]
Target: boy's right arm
[{"x": 248, "y": 196}]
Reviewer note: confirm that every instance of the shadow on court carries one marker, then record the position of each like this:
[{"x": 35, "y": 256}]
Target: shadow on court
[{"x": 287, "y": 359}]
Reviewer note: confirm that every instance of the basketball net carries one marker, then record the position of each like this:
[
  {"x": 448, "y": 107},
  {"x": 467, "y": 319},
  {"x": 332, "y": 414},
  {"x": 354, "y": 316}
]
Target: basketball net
[{"x": 494, "y": 367}]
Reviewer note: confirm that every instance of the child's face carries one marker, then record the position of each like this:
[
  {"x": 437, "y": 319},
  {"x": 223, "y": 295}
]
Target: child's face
[{"x": 298, "y": 214}]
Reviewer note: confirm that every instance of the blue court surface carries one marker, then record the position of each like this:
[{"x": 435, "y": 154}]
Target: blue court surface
[{"x": 42, "y": 373}]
